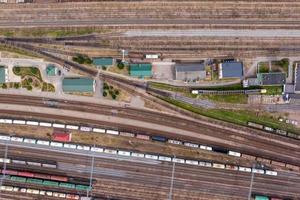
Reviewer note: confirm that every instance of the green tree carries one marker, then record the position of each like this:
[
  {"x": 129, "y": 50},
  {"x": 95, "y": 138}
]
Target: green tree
[
  {"x": 29, "y": 80},
  {"x": 104, "y": 93},
  {"x": 16, "y": 85},
  {"x": 117, "y": 92},
  {"x": 104, "y": 68},
  {"x": 29, "y": 87},
  {"x": 113, "y": 96},
  {"x": 34, "y": 70},
  {"x": 16, "y": 70},
  {"x": 121, "y": 65},
  {"x": 105, "y": 86}
]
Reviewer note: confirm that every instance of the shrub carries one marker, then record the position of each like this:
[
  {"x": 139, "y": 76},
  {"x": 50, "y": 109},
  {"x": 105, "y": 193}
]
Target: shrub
[
  {"x": 4, "y": 86},
  {"x": 34, "y": 70},
  {"x": 17, "y": 70},
  {"x": 104, "y": 93},
  {"x": 111, "y": 87},
  {"x": 113, "y": 96},
  {"x": 104, "y": 68},
  {"x": 16, "y": 85},
  {"x": 105, "y": 86},
  {"x": 29, "y": 87}
]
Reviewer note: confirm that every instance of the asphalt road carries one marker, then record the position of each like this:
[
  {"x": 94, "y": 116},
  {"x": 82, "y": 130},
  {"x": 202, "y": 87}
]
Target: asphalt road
[{"x": 122, "y": 179}]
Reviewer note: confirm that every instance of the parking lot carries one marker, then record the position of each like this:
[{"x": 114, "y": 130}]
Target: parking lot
[{"x": 163, "y": 70}]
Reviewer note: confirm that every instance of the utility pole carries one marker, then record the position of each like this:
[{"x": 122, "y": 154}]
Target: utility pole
[
  {"x": 91, "y": 174},
  {"x": 172, "y": 182},
  {"x": 251, "y": 183}
]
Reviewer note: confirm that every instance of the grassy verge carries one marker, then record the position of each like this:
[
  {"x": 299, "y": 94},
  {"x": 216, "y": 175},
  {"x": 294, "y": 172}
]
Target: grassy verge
[
  {"x": 273, "y": 90},
  {"x": 240, "y": 117},
  {"x": 234, "y": 98},
  {"x": 50, "y": 32},
  {"x": 16, "y": 50}
]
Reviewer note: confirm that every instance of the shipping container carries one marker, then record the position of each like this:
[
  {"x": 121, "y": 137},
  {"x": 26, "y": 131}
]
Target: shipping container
[
  {"x": 124, "y": 153},
  {"x": 30, "y": 141},
  {"x": 175, "y": 142},
  {"x": 233, "y": 153},
  {"x": 268, "y": 129},
  {"x": 258, "y": 171},
  {"x": 152, "y": 56},
  {"x": 96, "y": 149},
  {"x": 165, "y": 158},
  {"x": 23, "y": 190},
  {"x": 205, "y": 147},
  {"x": 56, "y": 144},
  {"x": 42, "y": 192},
  {"x": 46, "y": 124},
  {"x": 192, "y": 162},
  {"x": 244, "y": 169},
  {"x": 191, "y": 145},
  {"x": 98, "y": 130},
  {"x": 219, "y": 166},
  {"x": 4, "y": 137},
  {"x": 58, "y": 125},
  {"x": 271, "y": 173},
  {"x": 72, "y": 127},
  {"x": 32, "y": 123},
  {"x": 126, "y": 134},
  {"x": 153, "y": 157},
  {"x": 159, "y": 138},
  {"x": 21, "y": 122},
  {"x": 232, "y": 167},
  {"x": 112, "y": 132},
  {"x": 72, "y": 196},
  {"x": 110, "y": 151},
  {"x": 258, "y": 197},
  {"x": 43, "y": 142},
  {"x": 86, "y": 128},
  {"x": 16, "y": 139},
  {"x": 177, "y": 160},
  {"x": 143, "y": 137},
  {"x": 7, "y": 121},
  {"x": 281, "y": 132},
  {"x": 70, "y": 146},
  {"x": 220, "y": 150},
  {"x": 5, "y": 160},
  {"x": 49, "y": 193},
  {"x": 139, "y": 155}
]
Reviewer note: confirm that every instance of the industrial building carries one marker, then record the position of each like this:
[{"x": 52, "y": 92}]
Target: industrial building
[
  {"x": 231, "y": 70},
  {"x": 140, "y": 70},
  {"x": 103, "y": 61},
  {"x": 78, "y": 84},
  {"x": 190, "y": 71},
  {"x": 274, "y": 78},
  {"x": 3, "y": 74}
]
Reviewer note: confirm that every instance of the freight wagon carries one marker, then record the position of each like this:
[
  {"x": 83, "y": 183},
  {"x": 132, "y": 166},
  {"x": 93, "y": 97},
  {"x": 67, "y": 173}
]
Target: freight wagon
[{"x": 159, "y": 138}]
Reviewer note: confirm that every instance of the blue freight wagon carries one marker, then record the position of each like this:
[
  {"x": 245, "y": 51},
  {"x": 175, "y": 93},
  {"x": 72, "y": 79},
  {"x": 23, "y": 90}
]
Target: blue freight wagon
[{"x": 159, "y": 138}]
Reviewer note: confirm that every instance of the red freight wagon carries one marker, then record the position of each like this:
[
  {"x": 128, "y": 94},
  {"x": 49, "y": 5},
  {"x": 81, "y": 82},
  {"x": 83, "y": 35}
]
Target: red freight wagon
[
  {"x": 62, "y": 137},
  {"x": 9, "y": 172},
  {"x": 26, "y": 174},
  {"x": 42, "y": 176},
  {"x": 59, "y": 178}
]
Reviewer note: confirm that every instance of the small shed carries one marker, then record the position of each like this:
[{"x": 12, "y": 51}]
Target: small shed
[
  {"x": 79, "y": 84},
  {"x": 140, "y": 70},
  {"x": 51, "y": 70},
  {"x": 190, "y": 71},
  {"x": 231, "y": 70},
  {"x": 103, "y": 61},
  {"x": 3, "y": 74}
]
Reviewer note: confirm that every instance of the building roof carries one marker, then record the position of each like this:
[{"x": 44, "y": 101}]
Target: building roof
[
  {"x": 232, "y": 70},
  {"x": 2, "y": 74},
  {"x": 103, "y": 61},
  {"x": 140, "y": 69},
  {"x": 78, "y": 84},
  {"x": 189, "y": 67},
  {"x": 51, "y": 70},
  {"x": 275, "y": 78}
]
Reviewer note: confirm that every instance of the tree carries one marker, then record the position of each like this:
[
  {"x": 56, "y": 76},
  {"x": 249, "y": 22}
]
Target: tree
[
  {"x": 104, "y": 68},
  {"x": 17, "y": 70},
  {"x": 113, "y": 96},
  {"x": 16, "y": 85},
  {"x": 29, "y": 87},
  {"x": 29, "y": 80},
  {"x": 105, "y": 86},
  {"x": 34, "y": 70},
  {"x": 121, "y": 65},
  {"x": 117, "y": 92},
  {"x": 104, "y": 93}
]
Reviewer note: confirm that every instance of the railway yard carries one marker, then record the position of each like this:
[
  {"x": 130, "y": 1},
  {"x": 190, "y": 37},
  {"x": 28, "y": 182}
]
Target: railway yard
[{"x": 84, "y": 142}]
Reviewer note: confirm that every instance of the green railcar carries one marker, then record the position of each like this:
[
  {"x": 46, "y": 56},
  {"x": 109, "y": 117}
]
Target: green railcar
[
  {"x": 259, "y": 197},
  {"x": 82, "y": 187},
  {"x": 34, "y": 181},
  {"x": 19, "y": 179},
  {"x": 67, "y": 185},
  {"x": 50, "y": 183}
]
